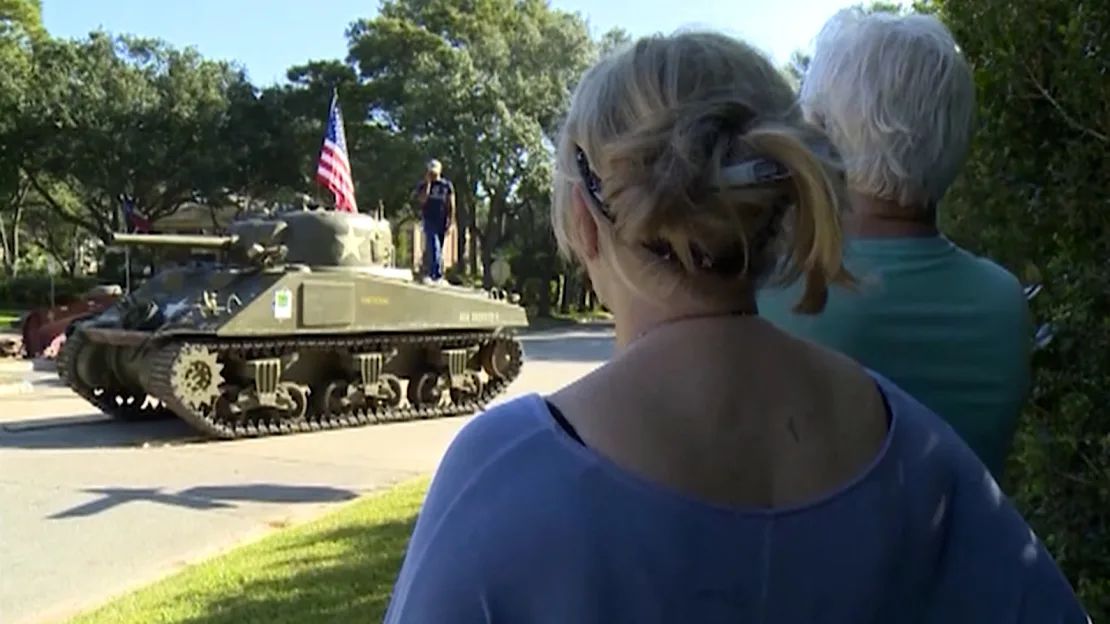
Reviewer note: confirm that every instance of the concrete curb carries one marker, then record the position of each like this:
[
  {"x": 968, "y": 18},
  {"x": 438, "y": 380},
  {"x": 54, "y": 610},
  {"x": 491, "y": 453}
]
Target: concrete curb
[
  {"x": 20, "y": 376},
  {"x": 547, "y": 324},
  {"x": 10, "y": 388}
]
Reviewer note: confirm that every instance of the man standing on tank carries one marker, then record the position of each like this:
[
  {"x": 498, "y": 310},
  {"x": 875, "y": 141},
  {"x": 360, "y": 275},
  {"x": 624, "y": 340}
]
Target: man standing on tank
[{"x": 436, "y": 197}]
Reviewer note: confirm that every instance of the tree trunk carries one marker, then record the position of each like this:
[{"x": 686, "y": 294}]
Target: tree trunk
[
  {"x": 9, "y": 262},
  {"x": 487, "y": 262},
  {"x": 586, "y": 301},
  {"x": 462, "y": 220},
  {"x": 545, "y": 296},
  {"x": 560, "y": 290},
  {"x": 9, "y": 234},
  {"x": 472, "y": 256},
  {"x": 494, "y": 233},
  {"x": 570, "y": 292},
  {"x": 17, "y": 224}
]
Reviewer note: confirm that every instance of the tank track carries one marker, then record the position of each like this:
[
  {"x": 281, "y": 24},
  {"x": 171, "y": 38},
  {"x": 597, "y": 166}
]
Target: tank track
[
  {"x": 161, "y": 387},
  {"x": 117, "y": 403}
]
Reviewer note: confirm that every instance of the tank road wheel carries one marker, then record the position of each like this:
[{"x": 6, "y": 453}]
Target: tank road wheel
[
  {"x": 296, "y": 406},
  {"x": 501, "y": 358},
  {"x": 335, "y": 398},
  {"x": 196, "y": 377},
  {"x": 392, "y": 384},
  {"x": 425, "y": 390},
  {"x": 468, "y": 389}
]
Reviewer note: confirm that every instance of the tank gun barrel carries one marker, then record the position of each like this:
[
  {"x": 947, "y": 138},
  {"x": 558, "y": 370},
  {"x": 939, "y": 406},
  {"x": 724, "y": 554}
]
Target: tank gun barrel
[{"x": 194, "y": 241}]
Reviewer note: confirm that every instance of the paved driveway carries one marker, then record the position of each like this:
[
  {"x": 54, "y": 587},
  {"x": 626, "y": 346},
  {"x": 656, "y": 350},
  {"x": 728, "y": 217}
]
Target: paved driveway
[{"x": 92, "y": 508}]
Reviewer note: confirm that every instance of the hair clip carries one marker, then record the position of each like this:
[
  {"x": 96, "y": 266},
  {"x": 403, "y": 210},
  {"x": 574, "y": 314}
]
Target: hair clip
[
  {"x": 592, "y": 182},
  {"x": 753, "y": 173}
]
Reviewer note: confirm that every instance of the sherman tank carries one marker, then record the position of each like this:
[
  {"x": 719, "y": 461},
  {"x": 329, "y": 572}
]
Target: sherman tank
[{"x": 299, "y": 326}]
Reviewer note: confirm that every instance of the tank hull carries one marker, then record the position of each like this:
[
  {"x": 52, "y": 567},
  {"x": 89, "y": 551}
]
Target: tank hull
[{"x": 307, "y": 330}]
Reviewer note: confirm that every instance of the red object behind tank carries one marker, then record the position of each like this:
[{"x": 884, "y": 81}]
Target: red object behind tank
[{"x": 44, "y": 325}]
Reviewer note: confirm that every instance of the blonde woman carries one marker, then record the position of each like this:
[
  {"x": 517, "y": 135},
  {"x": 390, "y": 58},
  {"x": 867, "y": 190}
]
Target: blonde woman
[{"x": 716, "y": 470}]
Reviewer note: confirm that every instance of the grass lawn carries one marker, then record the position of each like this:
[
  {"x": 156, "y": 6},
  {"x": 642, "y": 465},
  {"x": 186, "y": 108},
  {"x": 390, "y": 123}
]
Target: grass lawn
[
  {"x": 557, "y": 320},
  {"x": 584, "y": 316},
  {"x": 9, "y": 317},
  {"x": 340, "y": 568}
]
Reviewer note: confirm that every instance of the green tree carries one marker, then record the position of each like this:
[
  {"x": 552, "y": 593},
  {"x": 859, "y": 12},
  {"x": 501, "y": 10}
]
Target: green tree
[
  {"x": 482, "y": 88},
  {"x": 126, "y": 115},
  {"x": 20, "y": 29},
  {"x": 886, "y": 7},
  {"x": 796, "y": 68},
  {"x": 263, "y": 145},
  {"x": 21, "y": 18},
  {"x": 1033, "y": 196},
  {"x": 613, "y": 40}
]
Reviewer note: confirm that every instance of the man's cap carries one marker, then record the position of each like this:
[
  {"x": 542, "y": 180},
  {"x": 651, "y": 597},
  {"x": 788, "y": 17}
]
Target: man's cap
[{"x": 435, "y": 165}]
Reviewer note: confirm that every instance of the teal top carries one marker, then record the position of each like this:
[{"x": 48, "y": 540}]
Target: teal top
[{"x": 950, "y": 328}]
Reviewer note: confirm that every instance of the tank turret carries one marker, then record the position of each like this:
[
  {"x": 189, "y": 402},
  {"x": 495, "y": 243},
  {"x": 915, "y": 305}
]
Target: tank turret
[
  {"x": 303, "y": 327},
  {"x": 315, "y": 238}
]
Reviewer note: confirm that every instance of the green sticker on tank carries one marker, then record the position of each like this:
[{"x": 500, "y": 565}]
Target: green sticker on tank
[{"x": 283, "y": 304}]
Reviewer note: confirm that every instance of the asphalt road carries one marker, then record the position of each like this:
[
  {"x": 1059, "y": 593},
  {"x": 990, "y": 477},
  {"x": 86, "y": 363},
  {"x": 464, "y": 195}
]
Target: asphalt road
[{"x": 92, "y": 508}]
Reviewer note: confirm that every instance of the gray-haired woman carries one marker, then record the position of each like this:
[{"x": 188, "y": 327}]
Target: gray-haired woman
[{"x": 897, "y": 99}]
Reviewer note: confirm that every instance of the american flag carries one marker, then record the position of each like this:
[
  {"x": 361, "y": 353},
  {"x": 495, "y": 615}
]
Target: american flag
[{"x": 334, "y": 169}]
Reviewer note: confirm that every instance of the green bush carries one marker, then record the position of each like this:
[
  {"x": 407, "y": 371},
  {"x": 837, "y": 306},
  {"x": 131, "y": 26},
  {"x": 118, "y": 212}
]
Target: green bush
[
  {"x": 32, "y": 290},
  {"x": 1034, "y": 197}
]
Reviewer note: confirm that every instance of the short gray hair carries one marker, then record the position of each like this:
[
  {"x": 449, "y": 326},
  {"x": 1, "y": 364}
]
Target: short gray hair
[{"x": 897, "y": 98}]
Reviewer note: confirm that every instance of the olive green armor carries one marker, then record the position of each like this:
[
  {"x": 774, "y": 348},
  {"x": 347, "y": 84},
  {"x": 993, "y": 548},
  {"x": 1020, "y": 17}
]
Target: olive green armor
[{"x": 302, "y": 326}]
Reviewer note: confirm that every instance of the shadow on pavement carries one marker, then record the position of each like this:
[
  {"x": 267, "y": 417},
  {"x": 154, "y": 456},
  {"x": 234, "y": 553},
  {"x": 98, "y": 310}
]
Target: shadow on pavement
[
  {"x": 206, "y": 497},
  {"x": 93, "y": 431}
]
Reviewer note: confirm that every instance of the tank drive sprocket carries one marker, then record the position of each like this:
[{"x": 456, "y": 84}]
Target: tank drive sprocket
[{"x": 196, "y": 376}]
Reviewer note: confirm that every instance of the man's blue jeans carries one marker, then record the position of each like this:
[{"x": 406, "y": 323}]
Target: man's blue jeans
[{"x": 433, "y": 250}]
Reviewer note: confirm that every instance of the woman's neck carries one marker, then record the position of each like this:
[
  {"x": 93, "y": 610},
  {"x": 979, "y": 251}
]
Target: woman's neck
[
  {"x": 642, "y": 319},
  {"x": 881, "y": 218}
]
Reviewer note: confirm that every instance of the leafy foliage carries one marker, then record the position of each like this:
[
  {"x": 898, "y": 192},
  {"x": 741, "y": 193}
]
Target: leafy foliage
[
  {"x": 481, "y": 87},
  {"x": 125, "y": 115},
  {"x": 32, "y": 290},
  {"x": 1033, "y": 196}
]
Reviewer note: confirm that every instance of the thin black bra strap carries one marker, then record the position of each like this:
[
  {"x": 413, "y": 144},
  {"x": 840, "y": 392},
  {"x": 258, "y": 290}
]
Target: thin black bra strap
[{"x": 557, "y": 414}]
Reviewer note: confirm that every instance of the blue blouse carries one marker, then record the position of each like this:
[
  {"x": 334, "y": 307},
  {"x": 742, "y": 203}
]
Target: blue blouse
[{"x": 523, "y": 524}]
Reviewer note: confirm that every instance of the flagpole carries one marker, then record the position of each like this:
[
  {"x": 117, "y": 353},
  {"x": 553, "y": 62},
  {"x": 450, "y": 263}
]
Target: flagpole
[
  {"x": 316, "y": 187},
  {"x": 127, "y": 268},
  {"x": 126, "y": 248},
  {"x": 331, "y": 107}
]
